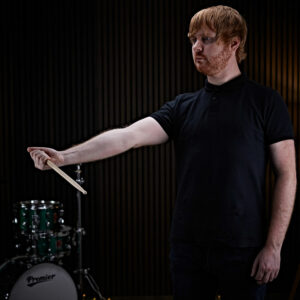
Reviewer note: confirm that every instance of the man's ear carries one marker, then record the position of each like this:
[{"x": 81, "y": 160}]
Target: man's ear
[{"x": 235, "y": 43}]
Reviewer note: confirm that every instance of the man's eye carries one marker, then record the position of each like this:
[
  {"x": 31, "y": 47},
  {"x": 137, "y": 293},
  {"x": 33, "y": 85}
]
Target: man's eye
[
  {"x": 193, "y": 40},
  {"x": 204, "y": 39},
  {"x": 207, "y": 40}
]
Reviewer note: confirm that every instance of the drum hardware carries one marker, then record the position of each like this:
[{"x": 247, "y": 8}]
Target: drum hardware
[
  {"x": 12, "y": 260},
  {"x": 80, "y": 271},
  {"x": 86, "y": 275}
]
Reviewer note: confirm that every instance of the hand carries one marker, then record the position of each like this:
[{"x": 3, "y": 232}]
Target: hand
[
  {"x": 266, "y": 265},
  {"x": 40, "y": 155}
]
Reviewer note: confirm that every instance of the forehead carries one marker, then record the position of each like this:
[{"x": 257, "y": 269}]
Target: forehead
[{"x": 205, "y": 31}]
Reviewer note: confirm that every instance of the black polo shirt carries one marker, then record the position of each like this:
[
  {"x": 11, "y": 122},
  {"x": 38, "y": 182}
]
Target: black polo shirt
[{"x": 221, "y": 136}]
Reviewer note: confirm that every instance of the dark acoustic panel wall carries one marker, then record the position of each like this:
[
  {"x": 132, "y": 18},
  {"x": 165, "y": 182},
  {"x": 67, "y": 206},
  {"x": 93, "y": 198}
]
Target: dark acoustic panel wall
[{"x": 70, "y": 70}]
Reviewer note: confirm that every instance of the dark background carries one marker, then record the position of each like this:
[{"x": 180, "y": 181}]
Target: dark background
[{"x": 71, "y": 69}]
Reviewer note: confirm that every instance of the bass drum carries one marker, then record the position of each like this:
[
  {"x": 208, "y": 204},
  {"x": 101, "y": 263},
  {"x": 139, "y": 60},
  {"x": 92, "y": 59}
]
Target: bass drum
[{"x": 44, "y": 281}]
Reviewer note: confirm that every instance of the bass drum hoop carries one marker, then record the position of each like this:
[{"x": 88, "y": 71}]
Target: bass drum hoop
[{"x": 44, "y": 281}]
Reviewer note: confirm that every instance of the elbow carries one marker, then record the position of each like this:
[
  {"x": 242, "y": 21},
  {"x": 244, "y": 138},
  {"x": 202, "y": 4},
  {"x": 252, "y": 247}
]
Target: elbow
[
  {"x": 290, "y": 177},
  {"x": 131, "y": 140},
  {"x": 128, "y": 141}
]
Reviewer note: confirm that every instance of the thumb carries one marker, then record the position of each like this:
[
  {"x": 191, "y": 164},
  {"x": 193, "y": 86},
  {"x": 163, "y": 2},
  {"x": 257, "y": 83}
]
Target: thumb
[{"x": 29, "y": 149}]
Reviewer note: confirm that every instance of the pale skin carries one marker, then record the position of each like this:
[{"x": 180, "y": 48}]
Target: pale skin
[
  {"x": 148, "y": 132},
  {"x": 267, "y": 264}
]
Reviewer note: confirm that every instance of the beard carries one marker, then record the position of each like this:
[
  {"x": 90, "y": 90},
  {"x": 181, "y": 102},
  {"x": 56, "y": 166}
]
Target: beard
[{"x": 213, "y": 65}]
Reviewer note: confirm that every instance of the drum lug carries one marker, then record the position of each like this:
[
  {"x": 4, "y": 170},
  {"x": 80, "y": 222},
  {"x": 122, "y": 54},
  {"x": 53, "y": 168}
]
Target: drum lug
[
  {"x": 80, "y": 231},
  {"x": 17, "y": 246}
]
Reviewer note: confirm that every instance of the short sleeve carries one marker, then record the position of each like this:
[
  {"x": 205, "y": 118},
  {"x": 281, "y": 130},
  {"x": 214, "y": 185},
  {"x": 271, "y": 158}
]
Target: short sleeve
[
  {"x": 278, "y": 125},
  {"x": 165, "y": 117}
]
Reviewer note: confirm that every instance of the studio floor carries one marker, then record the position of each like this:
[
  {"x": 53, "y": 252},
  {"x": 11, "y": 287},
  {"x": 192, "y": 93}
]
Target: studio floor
[{"x": 274, "y": 296}]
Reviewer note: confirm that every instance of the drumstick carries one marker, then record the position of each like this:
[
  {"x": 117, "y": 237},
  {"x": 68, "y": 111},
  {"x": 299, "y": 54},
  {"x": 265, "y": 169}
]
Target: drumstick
[{"x": 65, "y": 176}]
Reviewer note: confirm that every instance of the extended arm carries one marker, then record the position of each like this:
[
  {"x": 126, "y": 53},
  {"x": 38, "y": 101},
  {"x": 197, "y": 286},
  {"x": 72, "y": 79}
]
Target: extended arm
[
  {"x": 267, "y": 263},
  {"x": 141, "y": 133}
]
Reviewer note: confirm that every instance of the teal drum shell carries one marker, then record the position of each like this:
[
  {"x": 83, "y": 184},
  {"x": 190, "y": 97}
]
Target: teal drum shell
[{"x": 38, "y": 216}]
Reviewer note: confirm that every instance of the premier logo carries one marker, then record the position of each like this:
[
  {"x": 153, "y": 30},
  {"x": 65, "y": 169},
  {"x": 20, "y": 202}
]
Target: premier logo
[{"x": 31, "y": 280}]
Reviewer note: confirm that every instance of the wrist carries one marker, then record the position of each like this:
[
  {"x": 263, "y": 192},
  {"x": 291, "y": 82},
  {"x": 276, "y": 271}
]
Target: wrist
[
  {"x": 64, "y": 158},
  {"x": 273, "y": 246}
]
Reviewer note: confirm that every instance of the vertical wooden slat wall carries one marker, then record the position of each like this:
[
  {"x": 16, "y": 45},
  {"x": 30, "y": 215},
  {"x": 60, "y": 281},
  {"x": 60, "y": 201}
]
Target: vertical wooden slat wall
[{"x": 70, "y": 70}]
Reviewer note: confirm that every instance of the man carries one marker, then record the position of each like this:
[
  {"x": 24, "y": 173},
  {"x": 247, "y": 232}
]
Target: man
[{"x": 222, "y": 135}]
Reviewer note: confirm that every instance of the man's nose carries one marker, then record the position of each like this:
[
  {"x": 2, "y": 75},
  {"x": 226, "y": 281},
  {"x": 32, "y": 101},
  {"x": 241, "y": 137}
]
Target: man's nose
[{"x": 198, "y": 47}]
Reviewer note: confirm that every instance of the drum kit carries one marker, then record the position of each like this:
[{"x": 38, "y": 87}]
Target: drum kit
[{"x": 43, "y": 241}]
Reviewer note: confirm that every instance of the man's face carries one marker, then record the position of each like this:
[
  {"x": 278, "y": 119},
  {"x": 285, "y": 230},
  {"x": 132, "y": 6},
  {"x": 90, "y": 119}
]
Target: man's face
[{"x": 210, "y": 56}]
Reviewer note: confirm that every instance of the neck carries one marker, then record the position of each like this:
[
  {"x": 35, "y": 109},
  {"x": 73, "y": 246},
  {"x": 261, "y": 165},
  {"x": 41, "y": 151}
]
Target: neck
[{"x": 229, "y": 72}]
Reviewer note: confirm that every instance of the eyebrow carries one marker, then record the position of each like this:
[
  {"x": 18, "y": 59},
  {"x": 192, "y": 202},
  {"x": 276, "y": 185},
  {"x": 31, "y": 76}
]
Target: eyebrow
[{"x": 205, "y": 34}]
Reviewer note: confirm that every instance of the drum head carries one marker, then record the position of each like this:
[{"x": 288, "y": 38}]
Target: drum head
[{"x": 44, "y": 281}]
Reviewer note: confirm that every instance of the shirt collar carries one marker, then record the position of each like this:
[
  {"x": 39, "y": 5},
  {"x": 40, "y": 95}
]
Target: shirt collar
[{"x": 227, "y": 86}]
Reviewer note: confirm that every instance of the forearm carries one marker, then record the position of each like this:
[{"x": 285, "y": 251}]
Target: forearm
[
  {"x": 282, "y": 208},
  {"x": 102, "y": 146}
]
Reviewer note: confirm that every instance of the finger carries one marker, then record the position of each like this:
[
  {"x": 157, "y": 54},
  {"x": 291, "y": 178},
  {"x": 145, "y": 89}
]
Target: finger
[
  {"x": 38, "y": 155},
  {"x": 272, "y": 276},
  {"x": 260, "y": 274},
  {"x": 43, "y": 157},
  {"x": 266, "y": 277},
  {"x": 40, "y": 158},
  {"x": 254, "y": 267},
  {"x": 34, "y": 154},
  {"x": 276, "y": 274},
  {"x": 262, "y": 278},
  {"x": 259, "y": 282}
]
